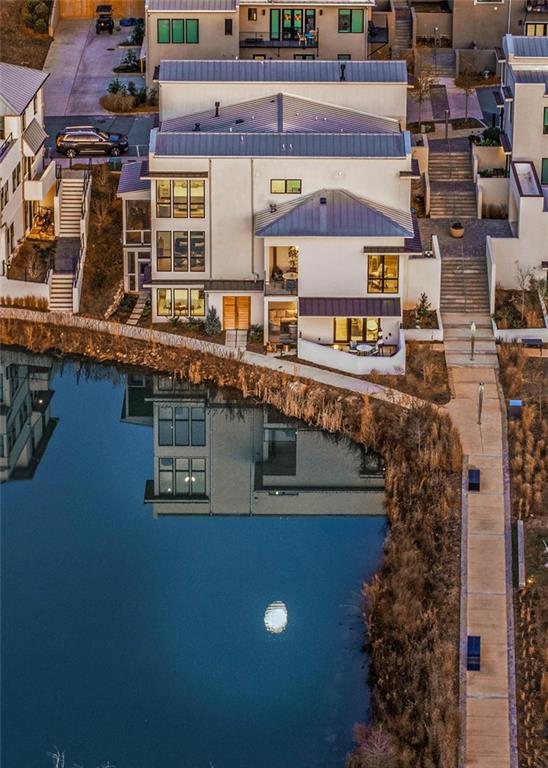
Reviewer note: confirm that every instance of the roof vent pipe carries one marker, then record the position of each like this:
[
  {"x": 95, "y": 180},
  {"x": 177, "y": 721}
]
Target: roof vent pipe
[
  {"x": 196, "y": 127},
  {"x": 217, "y": 107},
  {"x": 343, "y": 72},
  {"x": 323, "y": 200}
]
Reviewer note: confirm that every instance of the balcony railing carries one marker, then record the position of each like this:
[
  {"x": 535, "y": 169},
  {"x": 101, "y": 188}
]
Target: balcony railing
[
  {"x": 5, "y": 145},
  {"x": 137, "y": 237},
  {"x": 281, "y": 288},
  {"x": 308, "y": 41}
]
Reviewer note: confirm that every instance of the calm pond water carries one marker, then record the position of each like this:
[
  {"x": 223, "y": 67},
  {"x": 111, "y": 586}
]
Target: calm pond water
[{"x": 146, "y": 530}]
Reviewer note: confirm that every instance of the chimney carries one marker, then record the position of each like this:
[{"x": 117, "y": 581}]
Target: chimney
[
  {"x": 323, "y": 215},
  {"x": 343, "y": 72},
  {"x": 196, "y": 127},
  {"x": 217, "y": 107}
]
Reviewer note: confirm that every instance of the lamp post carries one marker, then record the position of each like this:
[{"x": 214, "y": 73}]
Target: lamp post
[
  {"x": 436, "y": 49},
  {"x": 472, "y": 339},
  {"x": 481, "y": 390}
]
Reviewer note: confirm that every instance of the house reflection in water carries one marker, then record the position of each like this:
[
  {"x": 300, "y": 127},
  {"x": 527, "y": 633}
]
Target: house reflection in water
[
  {"x": 215, "y": 453},
  {"x": 26, "y": 424}
]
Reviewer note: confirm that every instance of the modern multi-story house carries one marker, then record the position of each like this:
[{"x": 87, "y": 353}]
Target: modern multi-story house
[
  {"x": 207, "y": 461},
  {"x": 244, "y": 29},
  {"x": 523, "y": 103},
  {"x": 290, "y": 209},
  {"x": 26, "y": 424},
  {"x": 26, "y": 183}
]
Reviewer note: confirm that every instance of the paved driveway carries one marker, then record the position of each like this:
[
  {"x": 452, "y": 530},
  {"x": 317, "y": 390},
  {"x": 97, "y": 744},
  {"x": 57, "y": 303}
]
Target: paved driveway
[
  {"x": 80, "y": 63},
  {"x": 136, "y": 127}
]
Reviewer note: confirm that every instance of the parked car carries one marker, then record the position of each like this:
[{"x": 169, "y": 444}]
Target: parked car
[
  {"x": 87, "y": 140},
  {"x": 104, "y": 22}
]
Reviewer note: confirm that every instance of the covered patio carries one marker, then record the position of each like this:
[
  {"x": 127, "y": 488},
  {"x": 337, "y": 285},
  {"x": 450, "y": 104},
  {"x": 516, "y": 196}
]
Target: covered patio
[{"x": 356, "y": 335}]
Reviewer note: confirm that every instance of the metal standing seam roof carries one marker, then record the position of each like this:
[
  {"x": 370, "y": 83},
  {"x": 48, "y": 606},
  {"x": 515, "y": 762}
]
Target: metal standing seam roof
[
  {"x": 527, "y": 46},
  {"x": 281, "y": 70},
  {"x": 315, "y": 306},
  {"x": 282, "y": 112},
  {"x": 532, "y": 76},
  {"x": 130, "y": 177},
  {"x": 341, "y": 214},
  {"x": 280, "y": 145},
  {"x": 34, "y": 136},
  {"x": 18, "y": 85},
  {"x": 221, "y": 6}
]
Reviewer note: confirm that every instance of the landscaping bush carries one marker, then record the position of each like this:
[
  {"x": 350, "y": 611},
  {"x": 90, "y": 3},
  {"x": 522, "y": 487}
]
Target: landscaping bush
[
  {"x": 256, "y": 334},
  {"x": 129, "y": 63},
  {"x": 36, "y": 15},
  {"x": 123, "y": 98},
  {"x": 212, "y": 325},
  {"x": 118, "y": 102}
]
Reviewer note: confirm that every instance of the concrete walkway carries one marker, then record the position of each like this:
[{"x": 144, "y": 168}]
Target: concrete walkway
[
  {"x": 80, "y": 64},
  {"x": 487, "y": 696}
]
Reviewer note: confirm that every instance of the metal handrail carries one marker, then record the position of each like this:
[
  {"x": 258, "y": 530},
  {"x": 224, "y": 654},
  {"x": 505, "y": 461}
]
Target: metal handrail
[{"x": 6, "y": 144}]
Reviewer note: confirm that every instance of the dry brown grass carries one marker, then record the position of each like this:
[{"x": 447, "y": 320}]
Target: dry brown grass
[
  {"x": 19, "y": 45},
  {"x": 412, "y": 604},
  {"x": 103, "y": 269},
  {"x": 526, "y": 378},
  {"x": 25, "y": 302}
]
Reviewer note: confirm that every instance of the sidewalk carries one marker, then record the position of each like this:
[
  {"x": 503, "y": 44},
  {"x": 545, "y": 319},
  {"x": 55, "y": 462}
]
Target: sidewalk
[{"x": 488, "y": 697}]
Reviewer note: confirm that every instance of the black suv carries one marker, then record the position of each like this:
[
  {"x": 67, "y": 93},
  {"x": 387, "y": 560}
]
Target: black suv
[
  {"x": 87, "y": 140},
  {"x": 104, "y": 22}
]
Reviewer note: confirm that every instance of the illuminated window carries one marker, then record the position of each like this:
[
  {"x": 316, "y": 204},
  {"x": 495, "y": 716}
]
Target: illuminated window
[
  {"x": 163, "y": 300},
  {"x": 163, "y": 251},
  {"x": 163, "y": 198},
  {"x": 197, "y": 198},
  {"x": 285, "y": 186},
  {"x": 180, "y": 251},
  {"x": 197, "y": 302},
  {"x": 382, "y": 273},
  {"x": 180, "y": 302},
  {"x": 180, "y": 199}
]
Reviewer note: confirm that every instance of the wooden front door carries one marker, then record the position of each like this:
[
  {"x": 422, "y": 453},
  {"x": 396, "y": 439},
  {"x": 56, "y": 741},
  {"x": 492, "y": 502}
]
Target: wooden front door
[{"x": 236, "y": 312}]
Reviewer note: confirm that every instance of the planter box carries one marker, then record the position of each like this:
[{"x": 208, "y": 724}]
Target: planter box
[
  {"x": 425, "y": 334},
  {"x": 517, "y": 334}
]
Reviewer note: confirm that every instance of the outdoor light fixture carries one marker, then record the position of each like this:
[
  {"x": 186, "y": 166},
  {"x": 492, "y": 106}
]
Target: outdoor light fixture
[
  {"x": 481, "y": 390},
  {"x": 275, "y": 617},
  {"x": 472, "y": 339}
]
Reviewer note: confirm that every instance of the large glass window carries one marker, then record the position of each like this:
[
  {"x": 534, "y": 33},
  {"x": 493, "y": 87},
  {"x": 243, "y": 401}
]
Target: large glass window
[
  {"x": 177, "y": 31},
  {"x": 163, "y": 300},
  {"x": 198, "y": 425},
  {"x": 137, "y": 214},
  {"x": 163, "y": 198},
  {"x": 182, "y": 477},
  {"x": 545, "y": 119},
  {"x": 357, "y": 329},
  {"x": 275, "y": 24},
  {"x": 163, "y": 31},
  {"x": 197, "y": 198},
  {"x": 192, "y": 31},
  {"x": 180, "y": 302},
  {"x": 536, "y": 30},
  {"x": 197, "y": 302},
  {"x": 197, "y": 251},
  {"x": 180, "y": 199},
  {"x": 350, "y": 20},
  {"x": 382, "y": 273},
  {"x": 163, "y": 251},
  {"x": 180, "y": 251}
]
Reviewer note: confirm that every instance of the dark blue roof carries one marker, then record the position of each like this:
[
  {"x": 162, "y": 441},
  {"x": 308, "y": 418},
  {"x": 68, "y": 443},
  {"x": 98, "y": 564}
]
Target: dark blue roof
[
  {"x": 333, "y": 213},
  {"x": 282, "y": 71},
  {"x": 280, "y": 144},
  {"x": 527, "y": 46},
  {"x": 130, "y": 178},
  {"x": 282, "y": 112}
]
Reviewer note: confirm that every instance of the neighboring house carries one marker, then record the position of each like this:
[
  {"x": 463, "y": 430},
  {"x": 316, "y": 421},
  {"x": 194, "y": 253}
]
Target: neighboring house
[
  {"x": 243, "y": 29},
  {"x": 208, "y": 462},
  {"x": 523, "y": 101},
  {"x": 26, "y": 424},
  {"x": 283, "y": 210},
  {"x": 26, "y": 183}
]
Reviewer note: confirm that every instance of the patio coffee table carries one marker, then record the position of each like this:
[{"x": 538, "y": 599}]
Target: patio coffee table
[{"x": 365, "y": 349}]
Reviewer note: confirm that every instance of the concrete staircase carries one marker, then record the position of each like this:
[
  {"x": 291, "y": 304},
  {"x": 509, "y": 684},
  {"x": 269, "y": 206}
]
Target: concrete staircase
[
  {"x": 60, "y": 293},
  {"x": 71, "y": 194},
  {"x": 452, "y": 189},
  {"x": 464, "y": 285},
  {"x": 403, "y": 38},
  {"x": 456, "y": 340}
]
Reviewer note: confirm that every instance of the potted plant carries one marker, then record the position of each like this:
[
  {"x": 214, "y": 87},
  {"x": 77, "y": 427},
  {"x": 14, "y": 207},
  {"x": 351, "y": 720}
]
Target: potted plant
[{"x": 456, "y": 229}]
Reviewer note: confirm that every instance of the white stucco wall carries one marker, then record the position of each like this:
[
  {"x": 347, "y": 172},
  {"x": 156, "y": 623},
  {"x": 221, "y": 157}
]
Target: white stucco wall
[{"x": 387, "y": 99}]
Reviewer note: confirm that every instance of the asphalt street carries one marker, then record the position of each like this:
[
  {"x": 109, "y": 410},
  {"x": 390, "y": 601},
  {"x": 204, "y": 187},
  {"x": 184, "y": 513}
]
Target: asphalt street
[{"x": 136, "y": 127}]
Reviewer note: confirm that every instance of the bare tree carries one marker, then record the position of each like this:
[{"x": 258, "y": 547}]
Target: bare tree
[
  {"x": 467, "y": 83},
  {"x": 524, "y": 275},
  {"x": 424, "y": 80}
]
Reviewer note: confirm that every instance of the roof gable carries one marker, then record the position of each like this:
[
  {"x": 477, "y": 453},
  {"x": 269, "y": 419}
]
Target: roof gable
[
  {"x": 18, "y": 85},
  {"x": 333, "y": 213}
]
